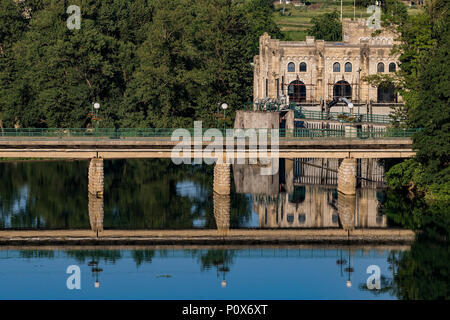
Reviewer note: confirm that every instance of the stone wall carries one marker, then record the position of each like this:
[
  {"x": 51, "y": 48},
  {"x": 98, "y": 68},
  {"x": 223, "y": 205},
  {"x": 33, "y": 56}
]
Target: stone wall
[{"x": 256, "y": 120}]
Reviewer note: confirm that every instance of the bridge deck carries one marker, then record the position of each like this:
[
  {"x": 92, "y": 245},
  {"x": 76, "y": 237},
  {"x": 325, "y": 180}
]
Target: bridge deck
[
  {"x": 161, "y": 147},
  {"x": 210, "y": 237}
]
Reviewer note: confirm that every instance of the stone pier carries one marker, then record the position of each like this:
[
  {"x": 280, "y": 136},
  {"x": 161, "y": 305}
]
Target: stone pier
[
  {"x": 95, "y": 194},
  {"x": 347, "y": 176},
  {"x": 222, "y": 178},
  {"x": 96, "y": 213},
  {"x": 222, "y": 212},
  {"x": 347, "y": 210}
]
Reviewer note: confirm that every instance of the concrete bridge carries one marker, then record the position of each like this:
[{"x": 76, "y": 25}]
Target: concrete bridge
[{"x": 161, "y": 147}]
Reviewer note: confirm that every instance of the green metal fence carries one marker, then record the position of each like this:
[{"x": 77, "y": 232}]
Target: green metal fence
[
  {"x": 319, "y": 115},
  {"x": 166, "y": 133}
]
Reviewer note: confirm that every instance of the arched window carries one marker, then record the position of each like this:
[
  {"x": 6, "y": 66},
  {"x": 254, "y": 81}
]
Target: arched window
[
  {"x": 291, "y": 67},
  {"x": 348, "y": 67},
  {"x": 290, "y": 218},
  {"x": 342, "y": 89},
  {"x": 392, "y": 67},
  {"x": 303, "y": 67},
  {"x": 386, "y": 93},
  {"x": 336, "y": 67},
  {"x": 297, "y": 91},
  {"x": 301, "y": 218},
  {"x": 380, "y": 67}
]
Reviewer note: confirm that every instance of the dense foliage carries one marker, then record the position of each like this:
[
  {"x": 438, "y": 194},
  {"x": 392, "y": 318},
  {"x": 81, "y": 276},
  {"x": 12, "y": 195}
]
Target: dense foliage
[
  {"x": 139, "y": 194},
  {"x": 150, "y": 63},
  {"x": 425, "y": 80},
  {"x": 326, "y": 27}
]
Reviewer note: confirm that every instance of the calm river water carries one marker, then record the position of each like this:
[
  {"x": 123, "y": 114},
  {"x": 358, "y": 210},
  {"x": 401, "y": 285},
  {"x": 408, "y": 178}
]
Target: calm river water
[{"x": 156, "y": 194}]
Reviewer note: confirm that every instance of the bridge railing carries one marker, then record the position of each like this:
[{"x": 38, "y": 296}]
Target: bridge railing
[
  {"x": 299, "y": 113},
  {"x": 342, "y": 117},
  {"x": 166, "y": 133}
]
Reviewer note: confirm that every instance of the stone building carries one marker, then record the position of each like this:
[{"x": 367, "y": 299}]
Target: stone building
[{"x": 313, "y": 71}]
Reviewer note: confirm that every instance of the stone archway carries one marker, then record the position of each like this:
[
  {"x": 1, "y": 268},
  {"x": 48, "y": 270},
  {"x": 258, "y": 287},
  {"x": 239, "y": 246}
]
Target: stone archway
[
  {"x": 342, "y": 89},
  {"x": 297, "y": 91},
  {"x": 386, "y": 93}
]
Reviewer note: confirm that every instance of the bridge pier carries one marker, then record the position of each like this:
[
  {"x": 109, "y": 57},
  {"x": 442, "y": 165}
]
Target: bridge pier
[
  {"x": 222, "y": 212},
  {"x": 346, "y": 210},
  {"x": 221, "y": 190},
  {"x": 95, "y": 194},
  {"x": 222, "y": 178},
  {"x": 347, "y": 176}
]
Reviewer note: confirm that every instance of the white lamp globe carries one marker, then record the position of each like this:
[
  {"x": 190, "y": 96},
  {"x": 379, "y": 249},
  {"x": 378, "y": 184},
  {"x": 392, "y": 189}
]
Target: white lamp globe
[
  {"x": 224, "y": 106},
  {"x": 96, "y": 106}
]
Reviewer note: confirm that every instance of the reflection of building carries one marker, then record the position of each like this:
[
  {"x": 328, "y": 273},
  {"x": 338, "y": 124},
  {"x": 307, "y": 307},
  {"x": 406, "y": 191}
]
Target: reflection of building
[
  {"x": 316, "y": 70},
  {"x": 310, "y": 171},
  {"x": 318, "y": 207},
  {"x": 311, "y": 200},
  {"x": 307, "y": 207}
]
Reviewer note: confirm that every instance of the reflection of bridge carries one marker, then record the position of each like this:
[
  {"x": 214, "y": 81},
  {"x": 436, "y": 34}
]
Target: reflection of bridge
[
  {"x": 304, "y": 195},
  {"x": 304, "y": 251}
]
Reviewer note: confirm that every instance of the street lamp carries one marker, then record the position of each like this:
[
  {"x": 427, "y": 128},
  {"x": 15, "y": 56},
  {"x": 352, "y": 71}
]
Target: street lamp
[
  {"x": 359, "y": 89},
  {"x": 96, "y": 107},
  {"x": 224, "y": 107}
]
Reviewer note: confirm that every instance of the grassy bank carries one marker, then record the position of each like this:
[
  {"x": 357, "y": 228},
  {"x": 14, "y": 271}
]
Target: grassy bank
[{"x": 297, "y": 19}]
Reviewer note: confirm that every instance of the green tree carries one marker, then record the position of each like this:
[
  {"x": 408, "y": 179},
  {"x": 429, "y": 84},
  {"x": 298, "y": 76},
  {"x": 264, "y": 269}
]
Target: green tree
[
  {"x": 425, "y": 79},
  {"x": 326, "y": 27}
]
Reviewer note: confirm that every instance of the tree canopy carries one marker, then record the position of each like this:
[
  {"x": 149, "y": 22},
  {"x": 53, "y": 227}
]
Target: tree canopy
[
  {"x": 150, "y": 63},
  {"x": 425, "y": 76},
  {"x": 326, "y": 27}
]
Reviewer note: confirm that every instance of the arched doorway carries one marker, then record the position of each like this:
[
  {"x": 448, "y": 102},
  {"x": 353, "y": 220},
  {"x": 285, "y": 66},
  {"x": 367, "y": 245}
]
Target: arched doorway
[
  {"x": 386, "y": 93},
  {"x": 297, "y": 91},
  {"x": 342, "y": 89}
]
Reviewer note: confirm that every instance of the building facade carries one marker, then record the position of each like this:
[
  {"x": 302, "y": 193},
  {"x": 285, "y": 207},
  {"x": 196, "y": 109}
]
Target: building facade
[{"x": 314, "y": 70}]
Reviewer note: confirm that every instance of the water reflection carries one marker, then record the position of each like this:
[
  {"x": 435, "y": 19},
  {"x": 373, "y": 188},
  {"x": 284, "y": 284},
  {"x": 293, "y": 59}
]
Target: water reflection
[
  {"x": 156, "y": 194},
  {"x": 304, "y": 195}
]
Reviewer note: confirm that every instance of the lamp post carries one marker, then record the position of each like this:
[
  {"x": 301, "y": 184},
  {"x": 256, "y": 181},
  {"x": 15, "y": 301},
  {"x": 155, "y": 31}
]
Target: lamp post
[
  {"x": 224, "y": 107},
  {"x": 359, "y": 90},
  {"x": 96, "y": 107},
  {"x": 349, "y": 270},
  {"x": 95, "y": 272}
]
